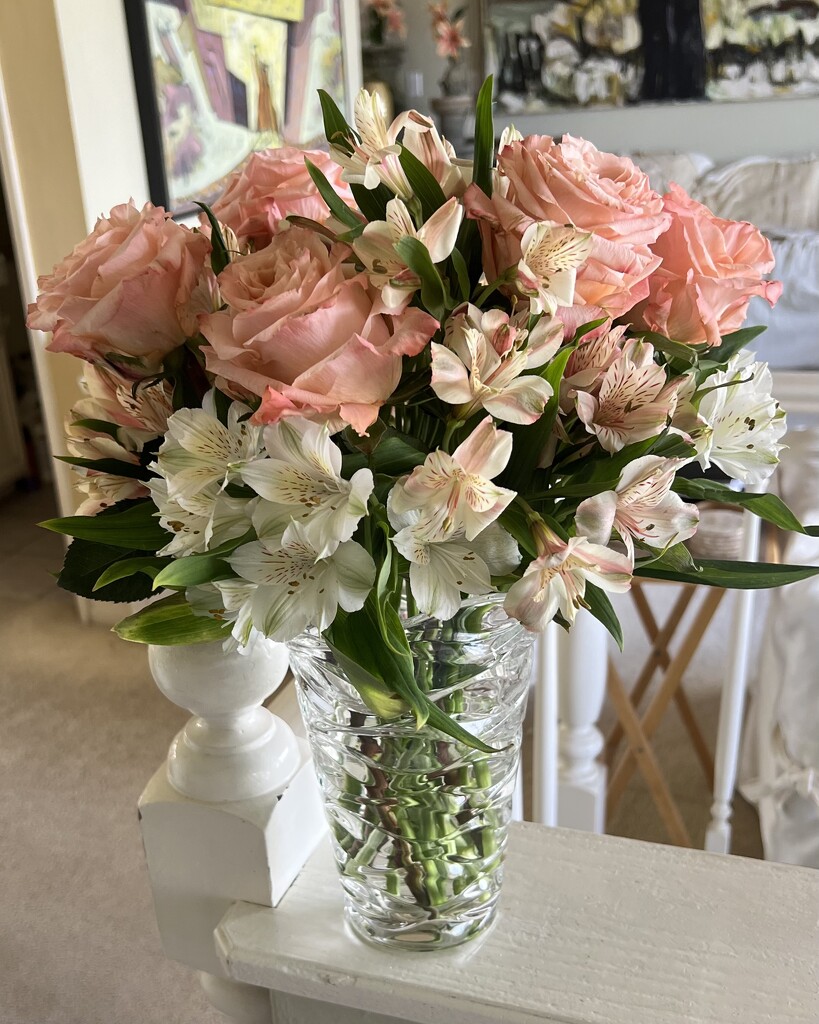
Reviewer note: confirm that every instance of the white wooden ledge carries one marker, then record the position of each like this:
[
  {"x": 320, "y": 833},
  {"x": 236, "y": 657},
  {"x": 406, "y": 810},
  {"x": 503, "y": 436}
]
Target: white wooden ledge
[{"x": 593, "y": 930}]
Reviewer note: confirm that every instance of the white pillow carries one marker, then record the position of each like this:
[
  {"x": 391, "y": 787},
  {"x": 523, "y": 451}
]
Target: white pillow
[
  {"x": 791, "y": 341},
  {"x": 685, "y": 169},
  {"x": 772, "y": 194}
]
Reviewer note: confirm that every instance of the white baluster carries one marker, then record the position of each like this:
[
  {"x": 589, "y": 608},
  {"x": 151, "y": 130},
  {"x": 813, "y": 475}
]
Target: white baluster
[
  {"x": 234, "y": 813},
  {"x": 544, "y": 768},
  {"x": 582, "y": 665},
  {"x": 732, "y": 703}
]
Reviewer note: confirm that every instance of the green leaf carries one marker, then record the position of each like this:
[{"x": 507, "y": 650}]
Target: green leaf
[
  {"x": 128, "y": 524},
  {"x": 598, "y": 603},
  {"x": 531, "y": 440},
  {"x": 85, "y": 561},
  {"x": 193, "y": 571},
  {"x": 767, "y": 506},
  {"x": 171, "y": 622},
  {"x": 395, "y": 455},
  {"x": 676, "y": 558},
  {"x": 733, "y": 343},
  {"x": 113, "y": 466},
  {"x": 422, "y": 182},
  {"x": 441, "y": 721},
  {"x": 100, "y": 426},
  {"x": 336, "y": 206},
  {"x": 372, "y": 201},
  {"x": 219, "y": 256},
  {"x": 585, "y": 329},
  {"x": 675, "y": 349},
  {"x": 484, "y": 155},
  {"x": 462, "y": 274},
  {"x": 673, "y": 446},
  {"x": 731, "y": 575},
  {"x": 150, "y": 565},
  {"x": 515, "y": 521},
  {"x": 336, "y": 129},
  {"x": 416, "y": 256}
]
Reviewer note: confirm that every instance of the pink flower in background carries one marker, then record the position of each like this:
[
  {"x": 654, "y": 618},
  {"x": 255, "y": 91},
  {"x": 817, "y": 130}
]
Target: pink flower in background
[
  {"x": 450, "y": 38},
  {"x": 438, "y": 12},
  {"x": 574, "y": 183},
  {"x": 710, "y": 270},
  {"x": 396, "y": 22},
  {"x": 634, "y": 402},
  {"x": 307, "y": 337},
  {"x": 274, "y": 184},
  {"x": 131, "y": 288}
]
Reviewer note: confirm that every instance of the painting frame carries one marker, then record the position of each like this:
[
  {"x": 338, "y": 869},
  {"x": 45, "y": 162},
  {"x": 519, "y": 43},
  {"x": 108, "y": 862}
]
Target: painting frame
[{"x": 294, "y": 72}]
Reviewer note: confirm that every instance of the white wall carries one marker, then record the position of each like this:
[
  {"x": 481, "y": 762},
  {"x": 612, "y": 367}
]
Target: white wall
[
  {"x": 724, "y": 131},
  {"x": 102, "y": 102}
]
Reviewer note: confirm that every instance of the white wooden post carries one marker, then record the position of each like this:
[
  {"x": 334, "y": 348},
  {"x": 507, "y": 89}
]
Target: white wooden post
[
  {"x": 545, "y": 712},
  {"x": 582, "y": 664},
  {"x": 233, "y": 814},
  {"x": 732, "y": 703}
]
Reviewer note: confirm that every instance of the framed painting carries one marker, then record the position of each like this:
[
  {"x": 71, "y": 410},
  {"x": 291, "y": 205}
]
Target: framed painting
[
  {"x": 218, "y": 79},
  {"x": 584, "y": 53}
]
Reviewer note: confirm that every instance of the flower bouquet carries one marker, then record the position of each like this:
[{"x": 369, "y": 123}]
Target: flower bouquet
[{"x": 401, "y": 412}]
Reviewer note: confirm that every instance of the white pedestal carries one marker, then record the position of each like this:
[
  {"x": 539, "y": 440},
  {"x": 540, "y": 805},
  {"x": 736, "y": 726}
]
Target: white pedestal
[{"x": 236, "y": 811}]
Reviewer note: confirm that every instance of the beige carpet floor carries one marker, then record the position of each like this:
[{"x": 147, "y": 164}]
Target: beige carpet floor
[{"x": 82, "y": 728}]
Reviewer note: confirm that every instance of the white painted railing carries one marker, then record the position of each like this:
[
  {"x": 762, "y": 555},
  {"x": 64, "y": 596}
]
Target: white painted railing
[{"x": 592, "y": 929}]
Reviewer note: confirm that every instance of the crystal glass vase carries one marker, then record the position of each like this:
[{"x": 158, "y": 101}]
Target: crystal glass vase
[{"x": 419, "y": 821}]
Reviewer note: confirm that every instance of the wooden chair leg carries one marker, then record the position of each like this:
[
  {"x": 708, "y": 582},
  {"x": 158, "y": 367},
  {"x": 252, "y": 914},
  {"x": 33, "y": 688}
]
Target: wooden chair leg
[
  {"x": 658, "y": 658},
  {"x": 644, "y": 758},
  {"x": 671, "y": 681},
  {"x": 692, "y": 727}
]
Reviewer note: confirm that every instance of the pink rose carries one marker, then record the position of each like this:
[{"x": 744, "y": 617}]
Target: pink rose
[
  {"x": 270, "y": 186},
  {"x": 133, "y": 288},
  {"x": 308, "y": 335},
  {"x": 710, "y": 270},
  {"x": 571, "y": 182}
]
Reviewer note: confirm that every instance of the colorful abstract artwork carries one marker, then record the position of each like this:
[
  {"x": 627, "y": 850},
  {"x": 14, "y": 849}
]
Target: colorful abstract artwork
[
  {"x": 218, "y": 79},
  {"x": 620, "y": 52}
]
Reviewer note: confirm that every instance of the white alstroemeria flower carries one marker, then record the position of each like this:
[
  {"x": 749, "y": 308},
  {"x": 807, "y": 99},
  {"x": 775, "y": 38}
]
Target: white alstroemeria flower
[
  {"x": 593, "y": 356},
  {"x": 482, "y": 363},
  {"x": 642, "y": 506},
  {"x": 303, "y": 476},
  {"x": 556, "y": 580},
  {"x": 200, "y": 450},
  {"x": 226, "y": 601},
  {"x": 634, "y": 402},
  {"x": 376, "y": 157},
  {"x": 375, "y": 247},
  {"x": 509, "y": 135},
  {"x": 421, "y": 138},
  {"x": 744, "y": 423},
  {"x": 442, "y": 570},
  {"x": 295, "y": 586},
  {"x": 455, "y": 492},
  {"x": 203, "y": 521},
  {"x": 550, "y": 256}
]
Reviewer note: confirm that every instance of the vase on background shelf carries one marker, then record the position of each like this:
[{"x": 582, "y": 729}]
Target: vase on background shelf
[
  {"x": 453, "y": 114},
  {"x": 419, "y": 820}
]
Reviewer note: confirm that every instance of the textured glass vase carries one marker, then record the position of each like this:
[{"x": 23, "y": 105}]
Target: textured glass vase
[{"x": 419, "y": 821}]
